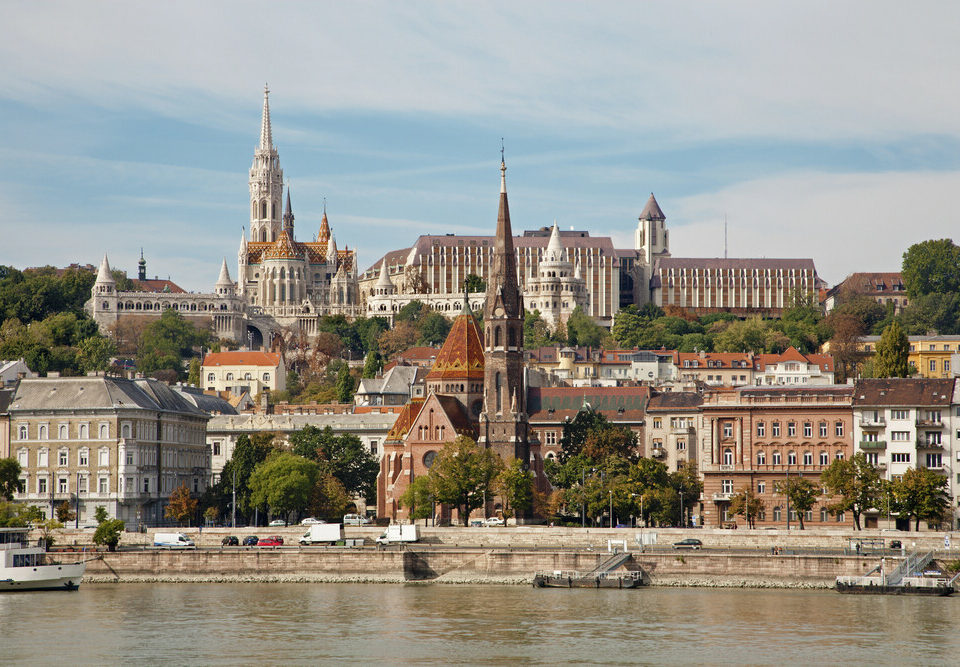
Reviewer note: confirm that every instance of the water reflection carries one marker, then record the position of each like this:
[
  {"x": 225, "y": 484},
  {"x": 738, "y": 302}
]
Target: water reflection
[{"x": 432, "y": 624}]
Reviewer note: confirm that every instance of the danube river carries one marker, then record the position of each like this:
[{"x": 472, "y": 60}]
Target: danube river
[{"x": 436, "y": 624}]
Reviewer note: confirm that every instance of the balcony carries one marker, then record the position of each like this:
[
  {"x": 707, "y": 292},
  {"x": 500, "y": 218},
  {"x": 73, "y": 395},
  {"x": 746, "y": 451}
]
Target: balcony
[
  {"x": 727, "y": 467},
  {"x": 873, "y": 444},
  {"x": 930, "y": 423},
  {"x": 722, "y": 497},
  {"x": 872, "y": 422},
  {"x": 928, "y": 444},
  {"x": 658, "y": 452}
]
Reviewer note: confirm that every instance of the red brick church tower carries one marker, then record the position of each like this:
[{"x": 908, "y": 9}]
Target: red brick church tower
[{"x": 503, "y": 423}]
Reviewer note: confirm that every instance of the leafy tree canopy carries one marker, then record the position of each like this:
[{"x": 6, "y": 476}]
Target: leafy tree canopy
[{"x": 931, "y": 267}]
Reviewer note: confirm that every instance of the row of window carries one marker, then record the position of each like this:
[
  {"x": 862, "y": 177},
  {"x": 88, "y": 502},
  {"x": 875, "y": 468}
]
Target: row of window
[
  {"x": 63, "y": 431},
  {"x": 822, "y": 429},
  {"x": 777, "y": 459},
  {"x": 63, "y": 485},
  {"x": 212, "y": 377},
  {"x": 63, "y": 457}
]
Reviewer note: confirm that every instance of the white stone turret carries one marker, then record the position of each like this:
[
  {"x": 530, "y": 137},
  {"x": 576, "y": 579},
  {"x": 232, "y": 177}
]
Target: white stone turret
[
  {"x": 105, "y": 283},
  {"x": 384, "y": 286},
  {"x": 554, "y": 246},
  {"x": 332, "y": 250},
  {"x": 652, "y": 238},
  {"x": 224, "y": 286}
]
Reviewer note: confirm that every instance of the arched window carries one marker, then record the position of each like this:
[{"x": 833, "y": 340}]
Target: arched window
[
  {"x": 246, "y": 376},
  {"x": 43, "y": 432},
  {"x": 263, "y": 208},
  {"x": 104, "y": 431},
  {"x": 791, "y": 458},
  {"x": 499, "y": 387},
  {"x": 512, "y": 336},
  {"x": 23, "y": 432},
  {"x": 229, "y": 376},
  {"x": 84, "y": 431},
  {"x": 824, "y": 459},
  {"x": 497, "y": 340},
  {"x": 266, "y": 377},
  {"x": 62, "y": 432},
  {"x": 776, "y": 458},
  {"x": 211, "y": 377},
  {"x": 761, "y": 458},
  {"x": 728, "y": 457},
  {"x": 808, "y": 458}
]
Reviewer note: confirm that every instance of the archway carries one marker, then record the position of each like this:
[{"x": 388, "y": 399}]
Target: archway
[{"x": 254, "y": 337}]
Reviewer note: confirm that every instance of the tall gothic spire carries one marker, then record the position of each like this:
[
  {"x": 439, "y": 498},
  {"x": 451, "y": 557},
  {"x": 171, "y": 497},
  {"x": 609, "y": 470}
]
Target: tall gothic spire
[
  {"x": 503, "y": 276},
  {"x": 266, "y": 134}
]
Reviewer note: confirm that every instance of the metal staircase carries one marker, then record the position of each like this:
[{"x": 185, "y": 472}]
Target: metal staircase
[
  {"x": 609, "y": 565},
  {"x": 915, "y": 562}
]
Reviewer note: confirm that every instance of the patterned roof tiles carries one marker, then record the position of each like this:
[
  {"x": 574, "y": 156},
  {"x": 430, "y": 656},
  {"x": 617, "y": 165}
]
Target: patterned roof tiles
[{"x": 461, "y": 356}]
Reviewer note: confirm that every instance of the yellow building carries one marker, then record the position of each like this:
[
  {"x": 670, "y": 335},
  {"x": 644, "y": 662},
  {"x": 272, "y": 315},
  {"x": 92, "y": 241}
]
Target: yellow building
[{"x": 930, "y": 356}]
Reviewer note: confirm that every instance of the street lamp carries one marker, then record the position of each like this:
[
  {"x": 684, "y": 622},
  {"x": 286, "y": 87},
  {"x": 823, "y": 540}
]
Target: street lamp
[
  {"x": 583, "y": 505},
  {"x": 786, "y": 490},
  {"x": 681, "y": 507},
  {"x": 77, "y": 510},
  {"x": 611, "y": 507}
]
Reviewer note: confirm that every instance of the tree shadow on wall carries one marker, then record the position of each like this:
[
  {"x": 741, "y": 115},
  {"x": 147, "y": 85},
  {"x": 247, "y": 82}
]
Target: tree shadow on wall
[{"x": 416, "y": 567}]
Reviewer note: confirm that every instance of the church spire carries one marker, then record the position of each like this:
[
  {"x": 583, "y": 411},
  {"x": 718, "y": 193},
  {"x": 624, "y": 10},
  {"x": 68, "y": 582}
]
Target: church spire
[
  {"x": 503, "y": 277},
  {"x": 266, "y": 133},
  {"x": 288, "y": 216}
]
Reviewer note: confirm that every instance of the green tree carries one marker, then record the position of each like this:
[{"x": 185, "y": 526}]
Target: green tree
[
  {"x": 434, "y": 328},
  {"x": 747, "y": 504},
  {"x": 345, "y": 455},
  {"x": 181, "y": 507},
  {"x": 193, "y": 376},
  {"x": 515, "y": 487},
  {"x": 893, "y": 351},
  {"x": 855, "y": 483},
  {"x": 474, "y": 283},
  {"x": 751, "y": 335},
  {"x": 18, "y": 515},
  {"x": 108, "y": 533},
  {"x": 412, "y": 311},
  {"x": 328, "y": 499},
  {"x": 95, "y": 353},
  {"x": 372, "y": 365},
  {"x": 536, "y": 332},
  {"x": 463, "y": 474},
  {"x": 932, "y": 312},
  {"x": 345, "y": 385},
  {"x": 582, "y": 330},
  {"x": 9, "y": 477},
  {"x": 686, "y": 481},
  {"x": 283, "y": 482},
  {"x": 920, "y": 493},
  {"x": 166, "y": 341},
  {"x": 100, "y": 514},
  {"x": 931, "y": 266},
  {"x": 802, "y": 494},
  {"x": 248, "y": 453},
  {"x": 418, "y": 497}
]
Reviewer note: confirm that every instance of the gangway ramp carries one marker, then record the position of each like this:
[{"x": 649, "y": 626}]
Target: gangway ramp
[{"x": 611, "y": 564}]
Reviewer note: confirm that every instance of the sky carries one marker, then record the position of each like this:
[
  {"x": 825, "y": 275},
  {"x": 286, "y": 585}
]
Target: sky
[{"x": 815, "y": 129}]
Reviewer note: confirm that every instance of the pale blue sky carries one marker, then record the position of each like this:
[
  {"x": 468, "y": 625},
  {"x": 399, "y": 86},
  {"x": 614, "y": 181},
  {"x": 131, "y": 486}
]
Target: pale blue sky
[{"x": 820, "y": 129}]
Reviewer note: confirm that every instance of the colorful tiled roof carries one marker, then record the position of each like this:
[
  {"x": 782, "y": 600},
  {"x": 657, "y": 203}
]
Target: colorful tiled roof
[
  {"x": 461, "y": 357},
  {"x": 405, "y": 420}
]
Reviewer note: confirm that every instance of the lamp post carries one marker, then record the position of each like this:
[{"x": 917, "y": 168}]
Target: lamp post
[
  {"x": 681, "y": 507},
  {"x": 77, "y": 509},
  {"x": 233, "y": 505},
  {"x": 786, "y": 491},
  {"x": 611, "y": 508},
  {"x": 583, "y": 498}
]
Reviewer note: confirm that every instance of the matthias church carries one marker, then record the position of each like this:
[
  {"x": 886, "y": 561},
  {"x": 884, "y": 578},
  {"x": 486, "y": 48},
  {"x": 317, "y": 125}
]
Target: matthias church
[{"x": 281, "y": 282}]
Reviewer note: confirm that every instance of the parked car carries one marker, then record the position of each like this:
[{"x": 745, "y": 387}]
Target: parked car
[
  {"x": 896, "y": 544},
  {"x": 250, "y": 541},
  {"x": 355, "y": 520},
  {"x": 494, "y": 521},
  {"x": 230, "y": 541},
  {"x": 277, "y": 522},
  {"x": 476, "y": 523},
  {"x": 310, "y": 521},
  {"x": 272, "y": 541},
  {"x": 689, "y": 543}
]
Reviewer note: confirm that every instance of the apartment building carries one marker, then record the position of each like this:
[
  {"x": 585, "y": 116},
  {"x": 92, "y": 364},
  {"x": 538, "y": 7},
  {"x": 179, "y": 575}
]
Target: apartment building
[
  {"x": 672, "y": 433},
  {"x": 92, "y": 441},
  {"x": 792, "y": 368},
  {"x": 716, "y": 369},
  {"x": 903, "y": 423},
  {"x": 755, "y": 437},
  {"x": 931, "y": 356},
  {"x": 884, "y": 288},
  {"x": 244, "y": 371}
]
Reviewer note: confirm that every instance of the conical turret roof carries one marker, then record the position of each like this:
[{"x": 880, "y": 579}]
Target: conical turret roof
[
  {"x": 224, "y": 279},
  {"x": 104, "y": 275},
  {"x": 461, "y": 357},
  {"x": 384, "y": 279},
  {"x": 554, "y": 246},
  {"x": 652, "y": 210}
]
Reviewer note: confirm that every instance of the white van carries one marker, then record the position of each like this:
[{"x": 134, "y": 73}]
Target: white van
[{"x": 172, "y": 540}]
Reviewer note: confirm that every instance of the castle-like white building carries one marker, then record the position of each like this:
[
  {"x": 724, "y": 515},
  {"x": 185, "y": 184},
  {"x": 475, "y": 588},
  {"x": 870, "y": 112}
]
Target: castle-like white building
[{"x": 281, "y": 283}]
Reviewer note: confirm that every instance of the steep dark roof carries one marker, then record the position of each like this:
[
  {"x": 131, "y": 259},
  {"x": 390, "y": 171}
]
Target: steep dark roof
[
  {"x": 614, "y": 403},
  {"x": 675, "y": 400},
  {"x": 903, "y": 391},
  {"x": 652, "y": 210}
]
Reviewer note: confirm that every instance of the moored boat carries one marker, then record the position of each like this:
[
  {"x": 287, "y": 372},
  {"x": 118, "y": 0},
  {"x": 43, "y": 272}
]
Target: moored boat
[{"x": 30, "y": 568}]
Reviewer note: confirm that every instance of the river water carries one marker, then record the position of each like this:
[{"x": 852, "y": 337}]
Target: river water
[{"x": 444, "y": 624}]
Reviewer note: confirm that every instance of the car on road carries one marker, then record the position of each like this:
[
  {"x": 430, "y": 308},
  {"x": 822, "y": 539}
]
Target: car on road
[
  {"x": 355, "y": 520},
  {"x": 310, "y": 521},
  {"x": 230, "y": 541},
  {"x": 689, "y": 543},
  {"x": 494, "y": 521},
  {"x": 277, "y": 522},
  {"x": 272, "y": 541},
  {"x": 896, "y": 544},
  {"x": 250, "y": 541}
]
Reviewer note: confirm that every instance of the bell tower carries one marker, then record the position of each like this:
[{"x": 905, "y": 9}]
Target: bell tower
[
  {"x": 266, "y": 182},
  {"x": 503, "y": 423}
]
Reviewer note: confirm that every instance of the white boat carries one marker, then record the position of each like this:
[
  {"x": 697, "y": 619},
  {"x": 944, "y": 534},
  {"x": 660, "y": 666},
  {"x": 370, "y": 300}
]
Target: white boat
[{"x": 30, "y": 568}]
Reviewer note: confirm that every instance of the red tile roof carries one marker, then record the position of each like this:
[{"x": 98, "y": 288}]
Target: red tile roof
[
  {"x": 158, "y": 286},
  {"x": 242, "y": 358}
]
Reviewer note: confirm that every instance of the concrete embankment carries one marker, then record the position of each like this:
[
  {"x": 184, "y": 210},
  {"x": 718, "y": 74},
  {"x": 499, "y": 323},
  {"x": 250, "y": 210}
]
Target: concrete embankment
[
  {"x": 449, "y": 565},
  {"x": 812, "y": 558}
]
